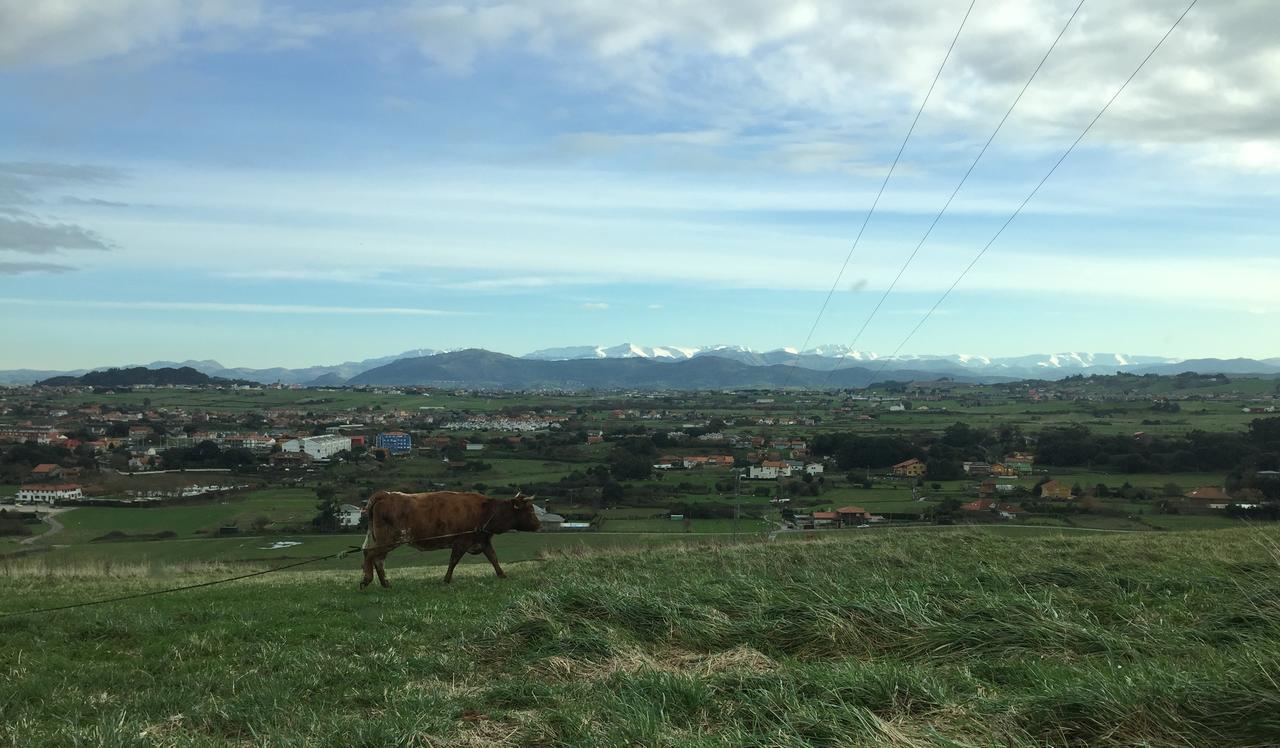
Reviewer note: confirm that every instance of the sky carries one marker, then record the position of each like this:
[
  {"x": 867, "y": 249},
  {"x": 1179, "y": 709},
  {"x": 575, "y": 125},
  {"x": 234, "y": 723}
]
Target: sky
[{"x": 275, "y": 183}]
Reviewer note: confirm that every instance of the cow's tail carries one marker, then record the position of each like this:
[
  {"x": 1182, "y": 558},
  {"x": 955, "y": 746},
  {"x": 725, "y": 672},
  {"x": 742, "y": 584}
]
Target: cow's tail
[{"x": 368, "y": 512}]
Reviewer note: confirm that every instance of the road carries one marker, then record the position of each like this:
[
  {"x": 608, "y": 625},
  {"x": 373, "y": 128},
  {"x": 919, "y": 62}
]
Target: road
[{"x": 55, "y": 526}]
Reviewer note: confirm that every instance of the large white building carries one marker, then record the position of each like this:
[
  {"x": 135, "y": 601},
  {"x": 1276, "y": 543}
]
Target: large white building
[
  {"x": 49, "y": 493},
  {"x": 319, "y": 447}
]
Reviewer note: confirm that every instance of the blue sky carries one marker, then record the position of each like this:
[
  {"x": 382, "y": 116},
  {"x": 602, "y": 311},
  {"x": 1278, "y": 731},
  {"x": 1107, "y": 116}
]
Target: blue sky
[{"x": 265, "y": 183}]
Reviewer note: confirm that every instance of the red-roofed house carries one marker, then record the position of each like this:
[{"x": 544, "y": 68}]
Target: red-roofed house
[
  {"x": 852, "y": 515},
  {"x": 911, "y": 468},
  {"x": 824, "y": 519},
  {"x": 46, "y": 471}
]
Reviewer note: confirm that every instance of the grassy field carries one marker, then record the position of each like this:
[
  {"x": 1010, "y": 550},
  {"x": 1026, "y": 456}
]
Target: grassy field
[
  {"x": 255, "y": 551},
  {"x": 287, "y": 506},
  {"x": 908, "y": 638}
]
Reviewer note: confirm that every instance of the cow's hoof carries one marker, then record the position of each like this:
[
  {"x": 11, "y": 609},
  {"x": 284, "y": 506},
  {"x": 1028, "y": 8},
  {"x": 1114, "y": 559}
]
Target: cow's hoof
[
  {"x": 386, "y": 585},
  {"x": 363, "y": 585}
]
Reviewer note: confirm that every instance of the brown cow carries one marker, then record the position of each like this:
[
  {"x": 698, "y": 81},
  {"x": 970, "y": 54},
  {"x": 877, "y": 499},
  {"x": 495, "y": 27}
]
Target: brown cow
[{"x": 464, "y": 522}]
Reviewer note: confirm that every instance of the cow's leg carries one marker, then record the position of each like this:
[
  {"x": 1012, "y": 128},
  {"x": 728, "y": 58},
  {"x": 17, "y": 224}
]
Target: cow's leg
[
  {"x": 368, "y": 568},
  {"x": 454, "y": 558},
  {"x": 493, "y": 557},
  {"x": 382, "y": 570}
]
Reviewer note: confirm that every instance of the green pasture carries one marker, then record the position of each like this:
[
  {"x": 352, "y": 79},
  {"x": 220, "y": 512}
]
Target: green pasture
[
  {"x": 1018, "y": 637},
  {"x": 281, "y": 507}
]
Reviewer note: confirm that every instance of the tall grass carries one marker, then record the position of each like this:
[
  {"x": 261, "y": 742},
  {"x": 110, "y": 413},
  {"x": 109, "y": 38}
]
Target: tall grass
[{"x": 912, "y": 639}]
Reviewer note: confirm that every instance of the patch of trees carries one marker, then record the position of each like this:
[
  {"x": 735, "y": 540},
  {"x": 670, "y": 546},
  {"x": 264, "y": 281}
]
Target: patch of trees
[
  {"x": 1077, "y": 446},
  {"x": 206, "y": 454},
  {"x": 856, "y": 451},
  {"x": 184, "y": 375}
]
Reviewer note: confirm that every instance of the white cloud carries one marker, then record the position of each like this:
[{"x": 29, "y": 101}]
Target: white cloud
[
  {"x": 595, "y": 306},
  {"x": 64, "y": 32},
  {"x": 853, "y": 67}
]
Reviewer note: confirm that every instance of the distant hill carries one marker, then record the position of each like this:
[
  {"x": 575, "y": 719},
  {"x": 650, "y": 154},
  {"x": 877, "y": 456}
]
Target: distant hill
[
  {"x": 132, "y": 377},
  {"x": 480, "y": 368},
  {"x": 824, "y": 358}
]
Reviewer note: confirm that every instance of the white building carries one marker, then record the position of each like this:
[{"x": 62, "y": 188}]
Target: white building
[
  {"x": 319, "y": 447},
  {"x": 814, "y": 468},
  {"x": 49, "y": 493},
  {"x": 348, "y": 515},
  {"x": 769, "y": 470}
]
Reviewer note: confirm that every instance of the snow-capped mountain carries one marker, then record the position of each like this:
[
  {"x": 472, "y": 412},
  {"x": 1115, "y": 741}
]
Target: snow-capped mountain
[
  {"x": 823, "y": 358},
  {"x": 624, "y": 350},
  {"x": 826, "y": 357}
]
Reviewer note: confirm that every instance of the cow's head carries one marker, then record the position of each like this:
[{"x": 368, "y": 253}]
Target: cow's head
[{"x": 524, "y": 516}]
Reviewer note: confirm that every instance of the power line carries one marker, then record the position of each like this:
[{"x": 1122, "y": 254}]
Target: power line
[
  {"x": 1033, "y": 192},
  {"x": 821, "y": 310},
  {"x": 928, "y": 232}
]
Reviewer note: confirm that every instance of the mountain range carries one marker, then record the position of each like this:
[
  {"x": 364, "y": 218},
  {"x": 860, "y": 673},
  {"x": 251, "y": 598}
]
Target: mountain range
[{"x": 823, "y": 359}]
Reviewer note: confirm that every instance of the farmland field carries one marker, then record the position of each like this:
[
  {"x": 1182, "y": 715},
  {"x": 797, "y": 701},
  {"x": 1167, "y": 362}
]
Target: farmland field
[{"x": 935, "y": 636}]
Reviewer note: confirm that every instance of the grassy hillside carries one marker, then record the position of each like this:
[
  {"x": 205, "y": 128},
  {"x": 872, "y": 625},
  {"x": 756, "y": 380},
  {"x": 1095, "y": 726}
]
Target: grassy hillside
[{"x": 910, "y": 638}]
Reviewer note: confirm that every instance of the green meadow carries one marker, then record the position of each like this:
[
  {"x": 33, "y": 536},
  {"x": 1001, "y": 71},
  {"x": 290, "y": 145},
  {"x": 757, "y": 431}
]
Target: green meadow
[{"x": 920, "y": 637}]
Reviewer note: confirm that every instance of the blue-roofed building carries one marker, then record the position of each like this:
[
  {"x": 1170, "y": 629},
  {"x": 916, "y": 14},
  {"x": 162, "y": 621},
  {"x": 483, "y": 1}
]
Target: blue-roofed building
[{"x": 395, "y": 442}]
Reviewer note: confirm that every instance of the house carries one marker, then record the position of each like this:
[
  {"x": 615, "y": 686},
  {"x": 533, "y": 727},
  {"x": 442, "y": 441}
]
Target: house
[
  {"x": 1003, "y": 471},
  {"x": 977, "y": 469},
  {"x": 769, "y": 470},
  {"x": 1020, "y": 462},
  {"x": 1006, "y": 511},
  {"x": 911, "y": 468},
  {"x": 852, "y": 515},
  {"x": 814, "y": 468},
  {"x": 473, "y": 447},
  {"x": 826, "y": 519},
  {"x": 349, "y": 515},
  {"x": 46, "y": 471},
  {"x": 987, "y": 489},
  {"x": 395, "y": 442},
  {"x": 549, "y": 520},
  {"x": 711, "y": 461},
  {"x": 44, "y": 493},
  {"x": 1055, "y": 491}
]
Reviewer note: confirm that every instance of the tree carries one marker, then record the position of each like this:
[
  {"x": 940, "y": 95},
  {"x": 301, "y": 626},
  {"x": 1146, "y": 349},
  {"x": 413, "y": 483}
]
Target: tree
[
  {"x": 627, "y": 466},
  {"x": 612, "y": 492},
  {"x": 327, "y": 506}
]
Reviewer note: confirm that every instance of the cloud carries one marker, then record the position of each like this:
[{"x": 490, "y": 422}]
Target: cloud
[
  {"x": 595, "y": 306},
  {"x": 21, "y": 184},
  {"x": 234, "y": 308},
  {"x": 34, "y": 237},
  {"x": 22, "y": 268},
  {"x": 858, "y": 69},
  {"x": 92, "y": 202},
  {"x": 64, "y": 32}
]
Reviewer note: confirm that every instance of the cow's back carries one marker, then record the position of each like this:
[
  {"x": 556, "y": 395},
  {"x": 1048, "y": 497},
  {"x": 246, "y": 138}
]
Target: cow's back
[{"x": 426, "y": 520}]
